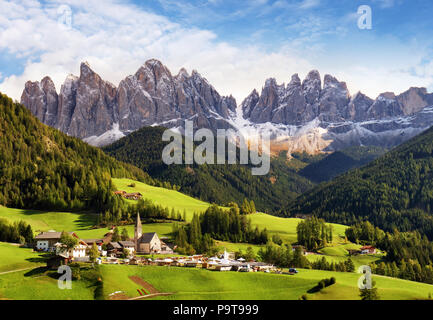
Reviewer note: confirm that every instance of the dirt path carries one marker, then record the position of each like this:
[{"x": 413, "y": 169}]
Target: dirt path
[
  {"x": 149, "y": 288},
  {"x": 152, "y": 296},
  {"x": 18, "y": 270}
]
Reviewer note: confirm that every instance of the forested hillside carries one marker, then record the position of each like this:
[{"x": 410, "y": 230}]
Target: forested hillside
[
  {"x": 220, "y": 184},
  {"x": 394, "y": 191},
  {"x": 43, "y": 168},
  {"x": 340, "y": 162}
]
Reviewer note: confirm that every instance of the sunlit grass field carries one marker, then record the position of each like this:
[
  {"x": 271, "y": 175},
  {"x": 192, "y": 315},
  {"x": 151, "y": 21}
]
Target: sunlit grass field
[
  {"x": 165, "y": 197},
  {"x": 198, "y": 284}
]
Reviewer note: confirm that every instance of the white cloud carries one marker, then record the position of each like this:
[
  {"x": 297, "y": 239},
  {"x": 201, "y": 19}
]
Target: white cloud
[{"x": 117, "y": 38}]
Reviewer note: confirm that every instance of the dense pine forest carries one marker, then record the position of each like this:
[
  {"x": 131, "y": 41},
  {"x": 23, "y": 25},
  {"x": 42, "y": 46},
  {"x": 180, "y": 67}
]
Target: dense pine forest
[
  {"x": 340, "y": 162},
  {"x": 219, "y": 184},
  {"x": 394, "y": 191},
  {"x": 43, "y": 168}
]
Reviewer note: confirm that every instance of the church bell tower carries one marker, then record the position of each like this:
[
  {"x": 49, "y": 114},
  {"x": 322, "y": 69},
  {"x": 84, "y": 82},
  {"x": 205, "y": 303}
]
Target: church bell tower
[{"x": 138, "y": 232}]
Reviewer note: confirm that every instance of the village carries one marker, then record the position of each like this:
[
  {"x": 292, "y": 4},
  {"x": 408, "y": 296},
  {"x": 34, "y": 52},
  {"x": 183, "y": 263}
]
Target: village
[{"x": 139, "y": 252}]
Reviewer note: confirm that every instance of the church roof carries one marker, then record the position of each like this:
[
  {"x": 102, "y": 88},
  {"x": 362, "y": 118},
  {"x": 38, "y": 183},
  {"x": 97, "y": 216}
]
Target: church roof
[{"x": 147, "y": 237}]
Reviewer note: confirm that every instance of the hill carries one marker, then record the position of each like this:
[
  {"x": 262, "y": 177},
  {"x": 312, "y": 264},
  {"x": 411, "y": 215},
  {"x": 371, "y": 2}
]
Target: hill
[
  {"x": 340, "y": 162},
  {"x": 196, "y": 284},
  {"x": 219, "y": 184},
  {"x": 394, "y": 191},
  {"x": 43, "y": 168},
  {"x": 165, "y": 197}
]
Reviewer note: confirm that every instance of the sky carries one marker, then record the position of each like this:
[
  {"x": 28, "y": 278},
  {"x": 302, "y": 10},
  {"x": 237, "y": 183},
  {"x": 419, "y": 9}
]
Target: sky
[{"x": 235, "y": 44}]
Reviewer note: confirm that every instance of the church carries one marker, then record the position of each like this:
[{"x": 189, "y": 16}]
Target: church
[{"x": 148, "y": 243}]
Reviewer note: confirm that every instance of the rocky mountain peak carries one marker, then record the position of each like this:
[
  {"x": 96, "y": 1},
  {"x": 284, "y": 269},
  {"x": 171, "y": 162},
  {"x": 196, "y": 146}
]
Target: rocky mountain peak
[
  {"x": 183, "y": 73},
  {"x": 295, "y": 81},
  {"x": 96, "y": 111}
]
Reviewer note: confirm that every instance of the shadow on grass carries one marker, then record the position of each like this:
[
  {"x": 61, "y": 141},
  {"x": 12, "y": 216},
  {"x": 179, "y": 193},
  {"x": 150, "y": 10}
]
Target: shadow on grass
[
  {"x": 41, "y": 258},
  {"x": 36, "y": 272}
]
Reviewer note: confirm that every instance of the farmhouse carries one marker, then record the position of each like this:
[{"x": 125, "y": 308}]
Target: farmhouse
[
  {"x": 114, "y": 248},
  {"x": 368, "y": 250},
  {"x": 79, "y": 251},
  {"x": 46, "y": 241},
  {"x": 128, "y": 245},
  {"x": 130, "y": 196},
  {"x": 98, "y": 242}
]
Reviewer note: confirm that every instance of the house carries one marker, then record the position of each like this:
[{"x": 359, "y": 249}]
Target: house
[
  {"x": 148, "y": 243},
  {"x": 77, "y": 253},
  {"x": 302, "y": 248},
  {"x": 120, "y": 193},
  {"x": 368, "y": 250},
  {"x": 98, "y": 242},
  {"x": 114, "y": 249},
  {"x": 166, "y": 249},
  {"x": 133, "y": 196},
  {"x": 128, "y": 245},
  {"x": 46, "y": 241}
]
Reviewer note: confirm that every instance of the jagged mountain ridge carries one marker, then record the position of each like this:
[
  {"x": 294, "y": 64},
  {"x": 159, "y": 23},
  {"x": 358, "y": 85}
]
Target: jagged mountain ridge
[
  {"x": 306, "y": 116},
  {"x": 96, "y": 111},
  {"x": 302, "y": 116}
]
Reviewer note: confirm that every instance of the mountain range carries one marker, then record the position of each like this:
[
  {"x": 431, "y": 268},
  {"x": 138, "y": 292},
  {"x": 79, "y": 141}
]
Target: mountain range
[{"x": 300, "y": 116}]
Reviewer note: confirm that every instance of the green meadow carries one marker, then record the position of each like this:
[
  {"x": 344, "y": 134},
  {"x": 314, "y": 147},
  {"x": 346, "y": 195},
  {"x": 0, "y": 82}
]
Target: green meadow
[
  {"x": 81, "y": 223},
  {"x": 35, "y": 285},
  {"x": 199, "y": 284},
  {"x": 45, "y": 220},
  {"x": 286, "y": 227},
  {"x": 165, "y": 197},
  {"x": 12, "y": 257}
]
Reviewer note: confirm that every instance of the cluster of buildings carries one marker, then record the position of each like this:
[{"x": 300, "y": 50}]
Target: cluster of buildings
[
  {"x": 223, "y": 263},
  {"x": 142, "y": 244}
]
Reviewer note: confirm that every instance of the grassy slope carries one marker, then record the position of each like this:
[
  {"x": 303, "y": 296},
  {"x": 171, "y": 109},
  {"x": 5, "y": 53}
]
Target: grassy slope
[
  {"x": 195, "y": 284},
  {"x": 286, "y": 228},
  {"x": 164, "y": 197},
  {"x": 81, "y": 223},
  {"x": 24, "y": 286},
  {"x": 12, "y": 258},
  {"x": 44, "y": 220}
]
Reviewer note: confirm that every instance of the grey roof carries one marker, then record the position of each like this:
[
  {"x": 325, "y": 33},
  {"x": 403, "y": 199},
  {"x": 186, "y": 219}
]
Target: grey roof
[
  {"x": 92, "y": 240},
  {"x": 115, "y": 245},
  {"x": 127, "y": 243},
  {"x": 147, "y": 237},
  {"x": 50, "y": 235}
]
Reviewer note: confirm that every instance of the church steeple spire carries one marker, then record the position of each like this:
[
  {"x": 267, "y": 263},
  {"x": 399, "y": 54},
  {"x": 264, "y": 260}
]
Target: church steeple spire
[{"x": 138, "y": 231}]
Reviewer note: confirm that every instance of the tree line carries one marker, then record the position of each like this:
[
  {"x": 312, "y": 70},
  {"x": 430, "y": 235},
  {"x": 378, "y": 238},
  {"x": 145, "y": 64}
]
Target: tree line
[
  {"x": 217, "y": 224},
  {"x": 43, "y": 168},
  {"x": 16, "y": 232},
  {"x": 409, "y": 255}
]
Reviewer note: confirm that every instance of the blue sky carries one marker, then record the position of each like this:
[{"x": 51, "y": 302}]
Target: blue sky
[{"x": 235, "y": 44}]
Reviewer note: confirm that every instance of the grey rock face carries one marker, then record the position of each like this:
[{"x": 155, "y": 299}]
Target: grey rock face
[
  {"x": 88, "y": 106},
  {"x": 298, "y": 104},
  {"x": 42, "y": 99}
]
